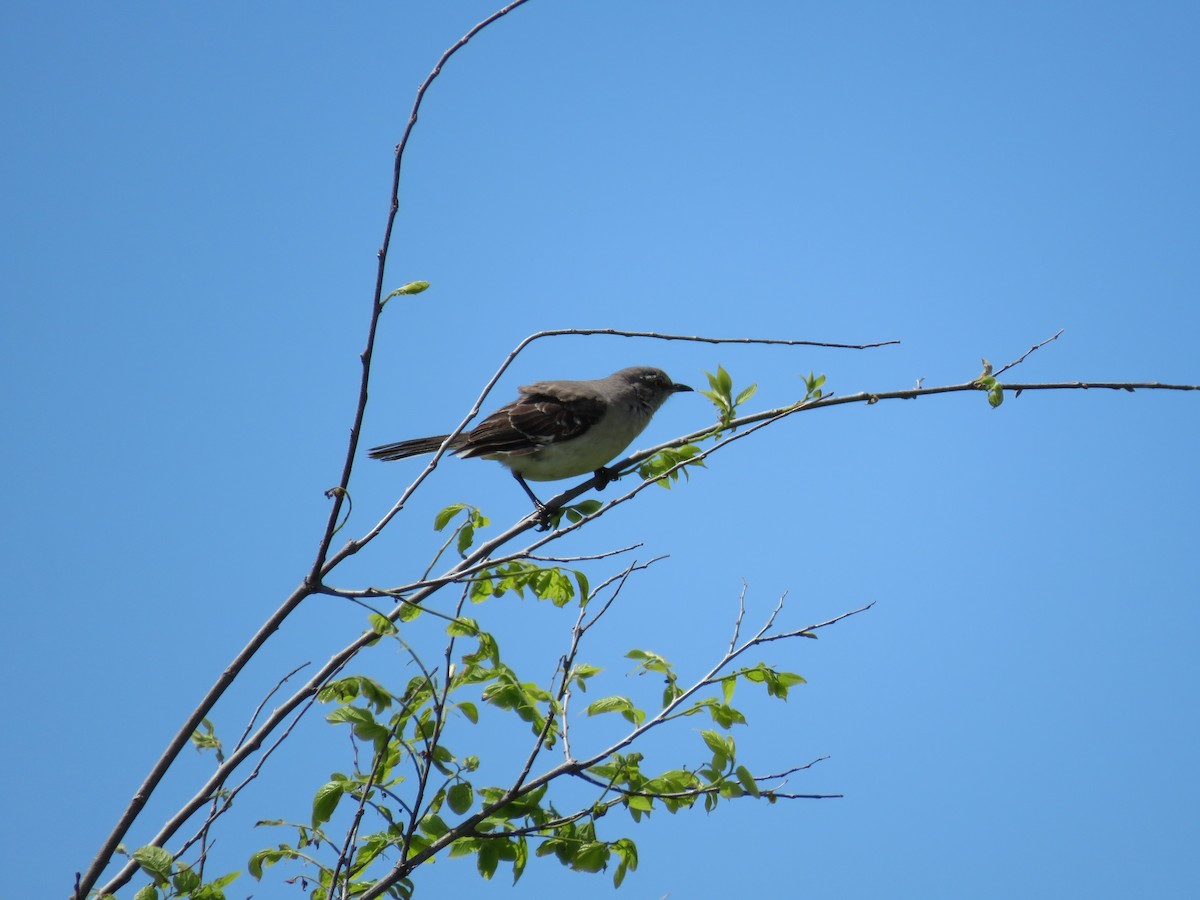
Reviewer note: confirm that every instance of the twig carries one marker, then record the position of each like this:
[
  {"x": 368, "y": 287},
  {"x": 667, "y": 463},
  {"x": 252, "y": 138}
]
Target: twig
[
  {"x": 617, "y": 332},
  {"x": 227, "y": 801},
  {"x": 262, "y": 703},
  {"x": 1017, "y": 362},
  {"x": 737, "y": 623},
  {"x": 587, "y": 558}
]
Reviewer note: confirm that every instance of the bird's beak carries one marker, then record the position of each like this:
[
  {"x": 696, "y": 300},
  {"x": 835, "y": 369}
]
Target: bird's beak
[{"x": 677, "y": 388}]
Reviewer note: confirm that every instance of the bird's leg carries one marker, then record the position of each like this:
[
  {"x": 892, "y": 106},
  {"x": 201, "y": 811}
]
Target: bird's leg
[
  {"x": 542, "y": 509},
  {"x": 605, "y": 476}
]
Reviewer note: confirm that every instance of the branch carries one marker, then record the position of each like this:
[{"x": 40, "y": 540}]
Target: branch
[
  {"x": 691, "y": 794},
  {"x": 1025, "y": 355},
  {"x": 84, "y": 884}
]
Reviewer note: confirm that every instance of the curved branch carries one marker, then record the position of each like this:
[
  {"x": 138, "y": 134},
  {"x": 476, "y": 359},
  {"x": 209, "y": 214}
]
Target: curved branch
[{"x": 84, "y": 884}]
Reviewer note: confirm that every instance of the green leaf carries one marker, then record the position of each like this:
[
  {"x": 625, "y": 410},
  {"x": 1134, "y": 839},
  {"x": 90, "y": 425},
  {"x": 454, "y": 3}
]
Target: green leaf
[
  {"x": 746, "y": 780},
  {"x": 722, "y": 382},
  {"x": 442, "y": 519},
  {"x": 720, "y": 745},
  {"x": 745, "y": 395},
  {"x": 581, "y": 672},
  {"x": 714, "y": 740},
  {"x": 520, "y": 858},
  {"x": 462, "y": 627},
  {"x": 361, "y": 720},
  {"x": 651, "y": 662},
  {"x": 146, "y": 893},
  {"x": 626, "y": 852},
  {"x": 623, "y": 705},
  {"x": 469, "y": 710},
  {"x": 460, "y": 797},
  {"x": 155, "y": 862},
  {"x": 433, "y": 825},
  {"x": 637, "y": 801},
  {"x": 466, "y": 537},
  {"x": 592, "y": 857},
  {"x": 381, "y": 625},
  {"x": 577, "y": 512},
  {"x": 212, "y": 890},
  {"x": 267, "y": 857},
  {"x": 325, "y": 801},
  {"x": 370, "y": 849},
  {"x": 413, "y": 287},
  {"x": 724, "y": 714},
  {"x": 205, "y": 738},
  {"x": 727, "y": 685},
  {"x": 581, "y": 582},
  {"x": 487, "y": 859},
  {"x": 465, "y": 846},
  {"x": 185, "y": 881},
  {"x": 228, "y": 879}
]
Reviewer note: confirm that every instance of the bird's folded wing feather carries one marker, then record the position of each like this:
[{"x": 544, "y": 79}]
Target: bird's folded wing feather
[{"x": 541, "y": 416}]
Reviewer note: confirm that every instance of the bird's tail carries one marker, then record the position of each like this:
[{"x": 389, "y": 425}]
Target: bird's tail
[{"x": 405, "y": 449}]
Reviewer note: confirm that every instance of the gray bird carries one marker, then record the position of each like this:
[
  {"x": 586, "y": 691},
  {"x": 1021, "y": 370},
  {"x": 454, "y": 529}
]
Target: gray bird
[{"x": 558, "y": 429}]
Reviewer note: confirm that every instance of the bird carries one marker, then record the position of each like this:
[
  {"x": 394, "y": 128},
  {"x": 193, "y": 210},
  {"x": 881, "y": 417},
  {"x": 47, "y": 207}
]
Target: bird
[{"x": 557, "y": 429}]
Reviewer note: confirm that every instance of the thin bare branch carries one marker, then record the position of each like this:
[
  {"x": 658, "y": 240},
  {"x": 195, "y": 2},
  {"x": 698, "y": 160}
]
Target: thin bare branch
[
  {"x": 1025, "y": 355},
  {"x": 262, "y": 703},
  {"x": 737, "y": 622},
  {"x": 620, "y": 579},
  {"x": 803, "y": 632},
  {"x": 586, "y": 558}
]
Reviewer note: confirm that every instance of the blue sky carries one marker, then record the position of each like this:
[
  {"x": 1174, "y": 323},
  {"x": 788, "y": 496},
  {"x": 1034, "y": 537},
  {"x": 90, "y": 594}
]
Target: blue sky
[{"x": 196, "y": 195}]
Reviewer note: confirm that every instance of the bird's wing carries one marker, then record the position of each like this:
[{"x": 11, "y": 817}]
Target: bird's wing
[{"x": 542, "y": 415}]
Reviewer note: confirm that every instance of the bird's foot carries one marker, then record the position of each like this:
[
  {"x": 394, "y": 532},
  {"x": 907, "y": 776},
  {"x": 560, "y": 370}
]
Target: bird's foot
[
  {"x": 605, "y": 476},
  {"x": 546, "y": 517}
]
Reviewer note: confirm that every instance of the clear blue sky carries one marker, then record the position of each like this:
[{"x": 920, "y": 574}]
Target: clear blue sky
[{"x": 195, "y": 195}]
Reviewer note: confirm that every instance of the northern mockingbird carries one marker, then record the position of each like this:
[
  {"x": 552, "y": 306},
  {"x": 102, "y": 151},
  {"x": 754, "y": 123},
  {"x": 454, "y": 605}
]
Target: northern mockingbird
[{"x": 557, "y": 429}]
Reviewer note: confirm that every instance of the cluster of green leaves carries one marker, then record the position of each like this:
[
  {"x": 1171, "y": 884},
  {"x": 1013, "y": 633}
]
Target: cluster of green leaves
[
  {"x": 172, "y": 879},
  {"x": 681, "y": 788},
  {"x": 406, "y": 732},
  {"x": 504, "y": 835},
  {"x": 812, "y": 387},
  {"x": 412, "y": 796},
  {"x": 661, "y": 465},
  {"x": 987, "y": 382},
  {"x": 473, "y": 519},
  {"x": 424, "y": 795},
  {"x": 574, "y": 513},
  {"x": 205, "y": 738},
  {"x": 721, "y": 394},
  {"x": 551, "y": 583},
  {"x": 464, "y": 532}
]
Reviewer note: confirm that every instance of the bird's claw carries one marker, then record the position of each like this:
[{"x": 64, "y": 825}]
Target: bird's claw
[{"x": 605, "y": 476}]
